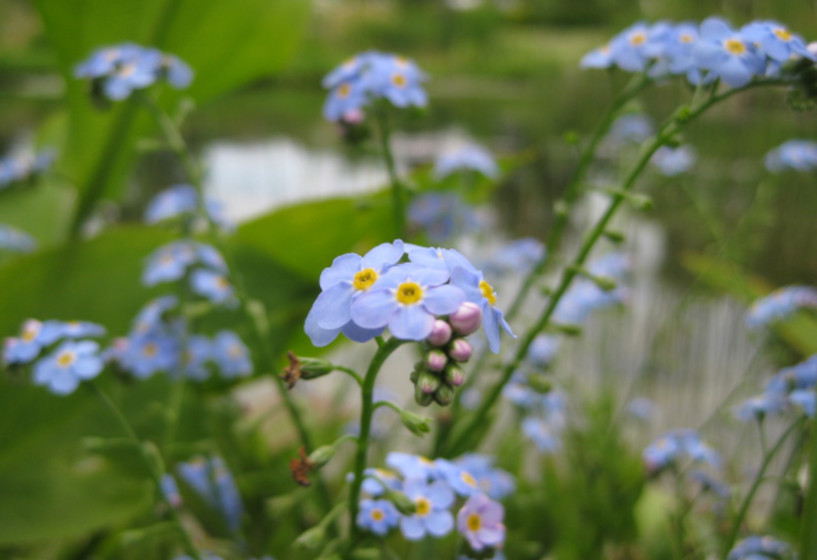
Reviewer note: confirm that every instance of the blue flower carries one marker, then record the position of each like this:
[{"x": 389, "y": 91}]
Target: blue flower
[
  {"x": 211, "y": 480},
  {"x": 212, "y": 285},
  {"x": 515, "y": 257},
  {"x": 805, "y": 399},
  {"x": 432, "y": 516},
  {"x": 674, "y": 161},
  {"x": 758, "y": 548},
  {"x": 480, "y": 522},
  {"x": 377, "y": 516},
  {"x": 172, "y": 261},
  {"x": 369, "y": 76},
  {"x": 406, "y": 298},
  {"x": 376, "y": 480},
  {"x": 412, "y": 466},
  {"x": 543, "y": 350},
  {"x": 542, "y": 434},
  {"x": 171, "y": 203},
  {"x": 641, "y": 408},
  {"x": 585, "y": 296},
  {"x": 460, "y": 480},
  {"x": 677, "y": 57},
  {"x": 478, "y": 291},
  {"x": 675, "y": 445},
  {"x": 26, "y": 347},
  {"x": 22, "y": 167},
  {"x": 632, "y": 49},
  {"x": 780, "y": 304},
  {"x": 494, "y": 482},
  {"x": 632, "y": 127},
  {"x": 797, "y": 155},
  {"x": 231, "y": 355},
  {"x": 147, "y": 353},
  {"x": 13, "y": 239},
  {"x": 441, "y": 215},
  {"x": 798, "y": 377},
  {"x": 727, "y": 54},
  {"x": 120, "y": 69},
  {"x": 436, "y": 258},
  {"x": 72, "y": 362},
  {"x": 776, "y": 41},
  {"x": 195, "y": 357},
  {"x": 469, "y": 157},
  {"x": 710, "y": 484},
  {"x": 760, "y": 406},
  {"x": 349, "y": 276},
  {"x": 151, "y": 315}
]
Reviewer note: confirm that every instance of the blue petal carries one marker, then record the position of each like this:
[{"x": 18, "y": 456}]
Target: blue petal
[
  {"x": 734, "y": 72},
  {"x": 87, "y": 368},
  {"x": 411, "y": 322},
  {"x": 359, "y": 334},
  {"x": 491, "y": 326},
  {"x": 385, "y": 254},
  {"x": 332, "y": 306},
  {"x": 320, "y": 337},
  {"x": 439, "y": 523},
  {"x": 412, "y": 528},
  {"x": 715, "y": 28},
  {"x": 373, "y": 309},
  {"x": 440, "y": 494},
  {"x": 63, "y": 383},
  {"x": 443, "y": 300},
  {"x": 343, "y": 269}
]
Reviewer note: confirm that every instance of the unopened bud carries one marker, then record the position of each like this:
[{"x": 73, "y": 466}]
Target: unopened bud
[
  {"x": 436, "y": 360},
  {"x": 466, "y": 319},
  {"x": 421, "y": 398},
  {"x": 440, "y": 333},
  {"x": 311, "y": 538},
  {"x": 403, "y": 503},
  {"x": 461, "y": 350},
  {"x": 428, "y": 382},
  {"x": 321, "y": 456},
  {"x": 312, "y": 368},
  {"x": 418, "y": 425},
  {"x": 454, "y": 375},
  {"x": 444, "y": 395}
]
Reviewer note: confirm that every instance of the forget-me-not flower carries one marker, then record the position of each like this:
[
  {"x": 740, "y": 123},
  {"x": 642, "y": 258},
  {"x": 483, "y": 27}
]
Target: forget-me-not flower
[
  {"x": 377, "y": 516},
  {"x": 478, "y": 291},
  {"x": 780, "y": 305},
  {"x": 727, "y": 54},
  {"x": 212, "y": 285},
  {"x": 469, "y": 157},
  {"x": 431, "y": 516},
  {"x": 231, "y": 355},
  {"x": 64, "y": 369},
  {"x": 480, "y": 522},
  {"x": 796, "y": 155}
]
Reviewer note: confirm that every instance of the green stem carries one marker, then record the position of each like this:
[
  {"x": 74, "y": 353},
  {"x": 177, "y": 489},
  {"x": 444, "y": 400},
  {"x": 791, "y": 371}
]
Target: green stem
[
  {"x": 397, "y": 190},
  {"x": 808, "y": 536},
  {"x": 759, "y": 477},
  {"x": 151, "y": 466},
  {"x": 367, "y": 408},
  {"x": 470, "y": 434}
]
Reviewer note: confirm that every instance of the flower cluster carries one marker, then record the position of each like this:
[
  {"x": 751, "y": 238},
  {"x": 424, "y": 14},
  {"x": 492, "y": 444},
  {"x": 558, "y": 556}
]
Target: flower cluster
[
  {"x": 65, "y": 365},
  {"x": 780, "y": 305},
  {"x": 13, "y": 239},
  {"x": 213, "y": 483},
  {"x": 118, "y": 70},
  {"x": 23, "y": 167},
  {"x": 159, "y": 341},
  {"x": 181, "y": 202},
  {"x": 759, "y": 548},
  {"x": 796, "y": 155},
  {"x": 202, "y": 264},
  {"x": 703, "y": 53},
  {"x": 368, "y": 76},
  {"x": 793, "y": 385},
  {"x": 432, "y": 488},
  {"x": 471, "y": 157},
  {"x": 441, "y": 216},
  {"x": 361, "y": 296},
  {"x": 674, "y": 446}
]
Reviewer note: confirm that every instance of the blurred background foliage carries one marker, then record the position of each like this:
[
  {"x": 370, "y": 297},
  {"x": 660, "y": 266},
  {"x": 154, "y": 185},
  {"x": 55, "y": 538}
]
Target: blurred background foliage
[{"x": 505, "y": 70}]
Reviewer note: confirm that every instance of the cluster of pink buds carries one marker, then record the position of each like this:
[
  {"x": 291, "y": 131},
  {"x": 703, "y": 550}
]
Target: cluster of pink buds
[{"x": 436, "y": 375}]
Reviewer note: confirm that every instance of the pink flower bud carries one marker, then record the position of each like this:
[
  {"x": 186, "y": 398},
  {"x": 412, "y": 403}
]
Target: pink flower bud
[
  {"x": 454, "y": 375},
  {"x": 466, "y": 319},
  {"x": 427, "y": 382},
  {"x": 460, "y": 350},
  {"x": 436, "y": 360},
  {"x": 440, "y": 333}
]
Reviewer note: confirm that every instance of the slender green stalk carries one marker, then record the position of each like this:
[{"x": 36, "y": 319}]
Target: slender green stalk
[
  {"x": 808, "y": 536},
  {"x": 397, "y": 190},
  {"x": 759, "y": 478},
  {"x": 151, "y": 466},
  {"x": 367, "y": 408},
  {"x": 469, "y": 433}
]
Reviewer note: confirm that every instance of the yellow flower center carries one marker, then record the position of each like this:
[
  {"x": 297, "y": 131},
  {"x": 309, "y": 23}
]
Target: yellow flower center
[
  {"x": 605, "y": 49},
  {"x": 487, "y": 292},
  {"x": 468, "y": 479},
  {"x": 364, "y": 279},
  {"x": 734, "y": 46},
  {"x": 127, "y": 69},
  {"x": 398, "y": 80},
  {"x": 638, "y": 38},
  {"x": 377, "y": 514},
  {"x": 423, "y": 506},
  {"x": 409, "y": 293},
  {"x": 150, "y": 349},
  {"x": 474, "y": 522},
  {"x": 222, "y": 283},
  {"x": 29, "y": 335},
  {"x": 344, "y": 90},
  {"x": 66, "y": 359},
  {"x": 235, "y": 351},
  {"x": 782, "y": 34},
  {"x": 685, "y": 38}
]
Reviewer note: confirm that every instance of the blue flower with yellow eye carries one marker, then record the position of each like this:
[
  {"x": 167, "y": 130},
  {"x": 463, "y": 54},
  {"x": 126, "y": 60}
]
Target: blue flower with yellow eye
[
  {"x": 377, "y": 516},
  {"x": 231, "y": 355},
  {"x": 480, "y": 522},
  {"x": 156, "y": 350},
  {"x": 431, "y": 516},
  {"x": 212, "y": 285},
  {"x": 460, "y": 480},
  {"x": 478, "y": 291},
  {"x": 727, "y": 54},
  {"x": 406, "y": 299},
  {"x": 172, "y": 261},
  {"x": 71, "y": 363},
  {"x": 492, "y": 481},
  {"x": 349, "y": 276},
  {"x": 412, "y": 466},
  {"x": 776, "y": 41}
]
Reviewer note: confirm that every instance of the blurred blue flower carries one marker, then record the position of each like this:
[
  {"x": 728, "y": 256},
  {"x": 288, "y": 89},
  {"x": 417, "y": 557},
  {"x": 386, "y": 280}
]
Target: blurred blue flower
[
  {"x": 432, "y": 516},
  {"x": 542, "y": 434},
  {"x": 776, "y": 41},
  {"x": 759, "y": 548},
  {"x": 711, "y": 484},
  {"x": 64, "y": 369},
  {"x": 674, "y": 161},
  {"x": 760, "y": 406},
  {"x": 18, "y": 241},
  {"x": 641, "y": 408},
  {"x": 437, "y": 258},
  {"x": 120, "y": 69},
  {"x": 585, "y": 296},
  {"x": 171, "y": 203},
  {"x": 543, "y": 350},
  {"x": 797, "y": 155},
  {"x": 412, "y": 466},
  {"x": 677, "y": 56},
  {"x": 151, "y": 315},
  {"x": 632, "y": 127},
  {"x": 231, "y": 355},
  {"x": 469, "y": 157},
  {"x": 372, "y": 75},
  {"x": 515, "y": 257},
  {"x": 461, "y": 481},
  {"x": 376, "y": 479},
  {"x": 171, "y": 262},
  {"x": 195, "y": 357},
  {"x": 441, "y": 215},
  {"x": 212, "y": 285},
  {"x": 377, "y": 516},
  {"x": 799, "y": 376},
  {"x": 33, "y": 338},
  {"x": 674, "y": 446},
  {"x": 780, "y": 305},
  {"x": 727, "y": 54},
  {"x": 805, "y": 400},
  {"x": 341, "y": 284},
  {"x": 150, "y": 352},
  {"x": 22, "y": 167},
  {"x": 492, "y": 481},
  {"x": 211, "y": 480},
  {"x": 406, "y": 298},
  {"x": 480, "y": 522},
  {"x": 478, "y": 291}
]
